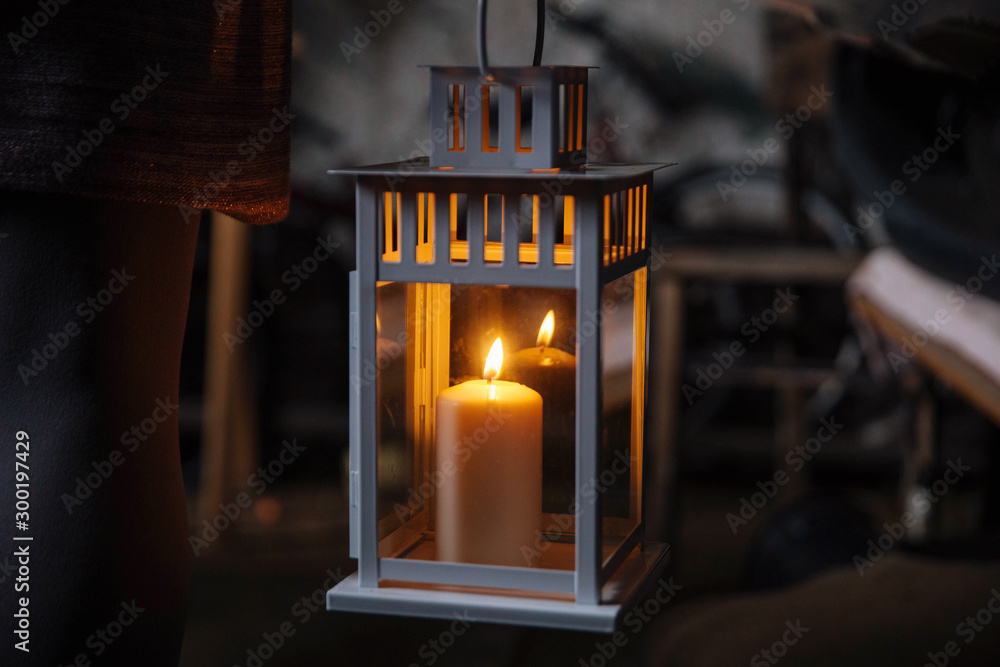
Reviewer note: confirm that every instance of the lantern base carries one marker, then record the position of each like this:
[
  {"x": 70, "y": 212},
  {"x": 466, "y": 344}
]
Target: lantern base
[{"x": 629, "y": 582}]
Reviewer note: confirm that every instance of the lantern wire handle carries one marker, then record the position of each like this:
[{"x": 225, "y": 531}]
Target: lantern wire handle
[
  {"x": 539, "y": 34},
  {"x": 484, "y": 62}
]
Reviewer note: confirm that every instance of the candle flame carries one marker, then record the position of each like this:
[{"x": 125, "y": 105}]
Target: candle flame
[
  {"x": 545, "y": 331},
  {"x": 494, "y": 360}
]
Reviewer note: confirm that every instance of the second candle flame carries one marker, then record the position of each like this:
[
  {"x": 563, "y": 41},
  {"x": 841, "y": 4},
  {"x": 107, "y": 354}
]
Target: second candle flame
[
  {"x": 545, "y": 331},
  {"x": 494, "y": 360}
]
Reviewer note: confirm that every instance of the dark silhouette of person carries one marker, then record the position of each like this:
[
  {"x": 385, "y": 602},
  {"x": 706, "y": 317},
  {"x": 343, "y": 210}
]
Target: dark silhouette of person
[{"x": 119, "y": 123}]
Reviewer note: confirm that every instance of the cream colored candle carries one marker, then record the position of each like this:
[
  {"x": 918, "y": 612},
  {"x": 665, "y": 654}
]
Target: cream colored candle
[{"x": 489, "y": 449}]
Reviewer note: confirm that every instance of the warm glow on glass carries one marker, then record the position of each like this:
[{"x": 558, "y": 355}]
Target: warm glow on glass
[
  {"x": 545, "y": 331},
  {"x": 494, "y": 360}
]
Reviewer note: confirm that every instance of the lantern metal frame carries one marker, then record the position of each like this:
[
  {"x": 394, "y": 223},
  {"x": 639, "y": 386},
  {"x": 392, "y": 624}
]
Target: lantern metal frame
[{"x": 610, "y": 240}]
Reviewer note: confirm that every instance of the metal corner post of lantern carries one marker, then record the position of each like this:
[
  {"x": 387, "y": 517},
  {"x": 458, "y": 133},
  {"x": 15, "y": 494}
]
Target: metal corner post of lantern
[{"x": 498, "y": 345}]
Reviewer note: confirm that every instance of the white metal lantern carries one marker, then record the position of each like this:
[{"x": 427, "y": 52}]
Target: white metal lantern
[{"x": 498, "y": 365}]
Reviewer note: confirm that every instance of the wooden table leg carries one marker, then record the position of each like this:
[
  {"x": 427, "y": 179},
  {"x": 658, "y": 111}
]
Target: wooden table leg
[{"x": 666, "y": 365}]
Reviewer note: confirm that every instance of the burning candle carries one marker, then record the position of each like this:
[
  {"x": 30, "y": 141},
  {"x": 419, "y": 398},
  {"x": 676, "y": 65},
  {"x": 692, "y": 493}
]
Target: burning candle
[
  {"x": 552, "y": 373},
  {"x": 489, "y": 454}
]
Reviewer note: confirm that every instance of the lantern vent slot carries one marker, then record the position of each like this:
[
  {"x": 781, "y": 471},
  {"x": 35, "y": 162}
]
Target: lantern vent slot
[
  {"x": 425, "y": 227},
  {"x": 456, "y": 117},
  {"x": 525, "y": 115},
  {"x": 507, "y": 228},
  {"x": 490, "y": 103},
  {"x": 389, "y": 219},
  {"x": 526, "y": 220},
  {"x": 624, "y": 224},
  {"x": 565, "y": 221},
  {"x": 493, "y": 228},
  {"x": 571, "y": 121},
  {"x": 459, "y": 209}
]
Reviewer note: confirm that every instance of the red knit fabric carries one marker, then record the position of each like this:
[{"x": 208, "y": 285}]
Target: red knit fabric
[{"x": 181, "y": 102}]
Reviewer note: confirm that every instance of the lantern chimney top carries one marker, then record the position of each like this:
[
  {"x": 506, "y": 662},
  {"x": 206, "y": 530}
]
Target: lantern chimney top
[{"x": 517, "y": 118}]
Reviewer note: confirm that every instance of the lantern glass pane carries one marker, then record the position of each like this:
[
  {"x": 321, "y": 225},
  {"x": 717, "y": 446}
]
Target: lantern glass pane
[
  {"x": 623, "y": 352},
  {"x": 471, "y": 471},
  {"x": 396, "y": 432}
]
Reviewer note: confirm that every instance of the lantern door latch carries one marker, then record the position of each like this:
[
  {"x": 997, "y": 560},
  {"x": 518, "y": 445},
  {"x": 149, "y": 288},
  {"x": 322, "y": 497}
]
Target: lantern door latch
[{"x": 355, "y": 490}]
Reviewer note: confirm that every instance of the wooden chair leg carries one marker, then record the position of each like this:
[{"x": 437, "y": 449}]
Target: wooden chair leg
[{"x": 919, "y": 458}]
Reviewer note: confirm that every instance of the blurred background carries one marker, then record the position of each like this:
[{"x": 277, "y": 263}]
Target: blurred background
[{"x": 833, "y": 211}]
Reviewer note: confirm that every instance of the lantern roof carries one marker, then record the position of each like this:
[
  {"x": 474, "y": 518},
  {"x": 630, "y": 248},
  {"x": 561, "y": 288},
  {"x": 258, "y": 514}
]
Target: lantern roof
[
  {"x": 421, "y": 166},
  {"x": 506, "y": 69}
]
